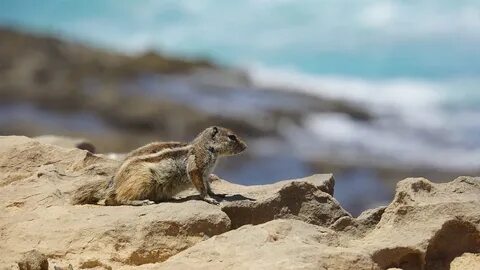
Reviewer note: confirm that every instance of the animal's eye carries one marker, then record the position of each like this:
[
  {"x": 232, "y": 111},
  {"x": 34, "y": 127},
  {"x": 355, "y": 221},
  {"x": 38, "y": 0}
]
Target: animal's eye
[
  {"x": 232, "y": 137},
  {"x": 215, "y": 131}
]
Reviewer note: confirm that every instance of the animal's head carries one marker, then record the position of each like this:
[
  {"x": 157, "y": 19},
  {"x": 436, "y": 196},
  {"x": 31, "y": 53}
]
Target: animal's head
[{"x": 222, "y": 141}]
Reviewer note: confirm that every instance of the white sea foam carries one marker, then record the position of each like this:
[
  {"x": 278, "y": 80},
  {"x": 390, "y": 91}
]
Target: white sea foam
[
  {"x": 414, "y": 125},
  {"x": 383, "y": 144},
  {"x": 392, "y": 93}
]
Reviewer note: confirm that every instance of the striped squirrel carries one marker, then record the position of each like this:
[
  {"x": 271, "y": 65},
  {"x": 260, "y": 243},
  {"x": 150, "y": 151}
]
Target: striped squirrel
[{"x": 157, "y": 171}]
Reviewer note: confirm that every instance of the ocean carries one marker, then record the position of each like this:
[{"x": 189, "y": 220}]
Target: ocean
[{"x": 414, "y": 64}]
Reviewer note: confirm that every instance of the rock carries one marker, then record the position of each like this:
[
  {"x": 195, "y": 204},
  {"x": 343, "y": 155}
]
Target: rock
[
  {"x": 22, "y": 158},
  {"x": 365, "y": 222},
  {"x": 112, "y": 236},
  {"x": 308, "y": 199},
  {"x": 67, "y": 142},
  {"x": 467, "y": 261},
  {"x": 278, "y": 244},
  {"x": 371, "y": 216},
  {"x": 292, "y": 224},
  {"x": 33, "y": 260},
  {"x": 426, "y": 227}
]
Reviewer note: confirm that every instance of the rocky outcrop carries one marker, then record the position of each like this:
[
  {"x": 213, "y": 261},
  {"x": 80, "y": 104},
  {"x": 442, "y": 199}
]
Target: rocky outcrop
[
  {"x": 426, "y": 226},
  {"x": 279, "y": 244},
  {"x": 31, "y": 161},
  {"x": 309, "y": 199},
  {"x": 293, "y": 224}
]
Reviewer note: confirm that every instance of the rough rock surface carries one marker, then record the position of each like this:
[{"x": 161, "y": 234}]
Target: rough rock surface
[
  {"x": 427, "y": 224},
  {"x": 293, "y": 224},
  {"x": 67, "y": 142},
  {"x": 309, "y": 199},
  {"x": 278, "y": 244},
  {"x": 425, "y": 227},
  {"x": 33, "y": 260},
  {"x": 467, "y": 261}
]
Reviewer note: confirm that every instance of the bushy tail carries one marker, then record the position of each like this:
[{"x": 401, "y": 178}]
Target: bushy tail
[{"x": 91, "y": 193}]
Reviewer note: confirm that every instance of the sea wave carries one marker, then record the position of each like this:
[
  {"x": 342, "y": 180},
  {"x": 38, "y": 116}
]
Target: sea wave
[
  {"x": 391, "y": 93},
  {"x": 418, "y": 123}
]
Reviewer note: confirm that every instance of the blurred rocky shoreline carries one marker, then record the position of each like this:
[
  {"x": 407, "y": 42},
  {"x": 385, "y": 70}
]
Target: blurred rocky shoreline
[{"x": 135, "y": 99}]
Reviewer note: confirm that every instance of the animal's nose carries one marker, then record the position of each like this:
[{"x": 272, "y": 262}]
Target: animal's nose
[{"x": 244, "y": 146}]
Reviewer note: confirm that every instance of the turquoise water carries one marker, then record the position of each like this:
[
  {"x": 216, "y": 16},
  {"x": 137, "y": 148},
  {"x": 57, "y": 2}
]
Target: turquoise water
[{"x": 368, "y": 39}]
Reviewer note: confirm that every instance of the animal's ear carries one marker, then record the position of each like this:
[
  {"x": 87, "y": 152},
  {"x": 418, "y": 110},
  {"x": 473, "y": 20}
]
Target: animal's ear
[{"x": 214, "y": 131}]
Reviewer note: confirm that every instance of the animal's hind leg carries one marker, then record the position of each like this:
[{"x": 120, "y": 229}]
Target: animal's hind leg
[
  {"x": 111, "y": 200},
  {"x": 136, "y": 190},
  {"x": 111, "y": 197}
]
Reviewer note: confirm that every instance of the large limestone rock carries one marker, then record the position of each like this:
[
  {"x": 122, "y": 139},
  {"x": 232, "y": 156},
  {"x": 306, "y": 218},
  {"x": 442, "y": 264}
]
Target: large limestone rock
[
  {"x": 425, "y": 227},
  {"x": 25, "y": 159},
  {"x": 113, "y": 236},
  {"x": 278, "y": 244},
  {"x": 293, "y": 224},
  {"x": 308, "y": 199}
]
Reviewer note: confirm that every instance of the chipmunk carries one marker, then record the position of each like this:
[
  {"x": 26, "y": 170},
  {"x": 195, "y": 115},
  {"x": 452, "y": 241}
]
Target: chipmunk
[{"x": 158, "y": 171}]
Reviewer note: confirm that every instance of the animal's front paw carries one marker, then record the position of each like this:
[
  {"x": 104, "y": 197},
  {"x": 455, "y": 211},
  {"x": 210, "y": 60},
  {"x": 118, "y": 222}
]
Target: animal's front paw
[
  {"x": 210, "y": 200},
  {"x": 213, "y": 177}
]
